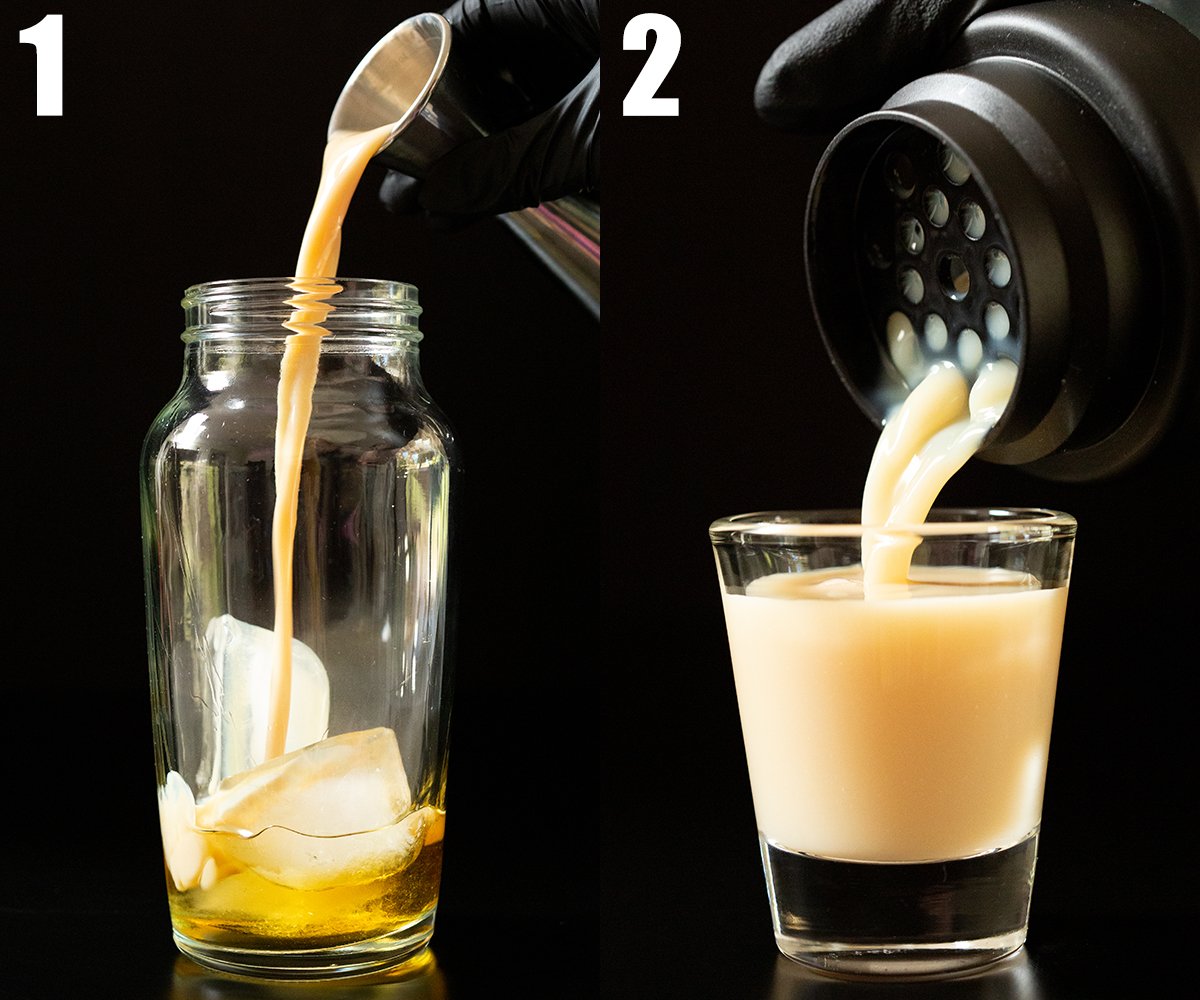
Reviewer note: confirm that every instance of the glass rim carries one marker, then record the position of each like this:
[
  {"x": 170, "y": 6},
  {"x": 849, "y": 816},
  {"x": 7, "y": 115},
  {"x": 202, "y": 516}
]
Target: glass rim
[
  {"x": 776, "y": 526},
  {"x": 242, "y": 286},
  {"x": 235, "y": 308}
]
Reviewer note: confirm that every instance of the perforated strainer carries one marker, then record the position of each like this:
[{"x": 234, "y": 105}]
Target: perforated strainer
[
  {"x": 938, "y": 267},
  {"x": 1039, "y": 201}
]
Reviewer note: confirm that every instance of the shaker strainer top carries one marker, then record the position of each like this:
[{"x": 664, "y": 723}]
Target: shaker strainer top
[
  {"x": 936, "y": 266},
  {"x": 1036, "y": 199}
]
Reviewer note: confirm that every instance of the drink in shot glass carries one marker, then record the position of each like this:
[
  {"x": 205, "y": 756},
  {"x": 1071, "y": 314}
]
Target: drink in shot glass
[{"x": 896, "y": 734}]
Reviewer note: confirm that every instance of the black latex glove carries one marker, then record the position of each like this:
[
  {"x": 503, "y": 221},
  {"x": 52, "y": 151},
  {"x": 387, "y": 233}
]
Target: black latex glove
[
  {"x": 854, "y": 56},
  {"x": 550, "y": 51}
]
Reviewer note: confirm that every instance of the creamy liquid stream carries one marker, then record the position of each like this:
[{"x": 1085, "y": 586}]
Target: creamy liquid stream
[
  {"x": 346, "y": 157},
  {"x": 931, "y": 436}
]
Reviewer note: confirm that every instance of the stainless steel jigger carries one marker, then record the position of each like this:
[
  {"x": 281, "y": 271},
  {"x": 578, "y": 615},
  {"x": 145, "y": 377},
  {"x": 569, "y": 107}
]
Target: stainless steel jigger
[
  {"x": 412, "y": 77},
  {"x": 409, "y": 78}
]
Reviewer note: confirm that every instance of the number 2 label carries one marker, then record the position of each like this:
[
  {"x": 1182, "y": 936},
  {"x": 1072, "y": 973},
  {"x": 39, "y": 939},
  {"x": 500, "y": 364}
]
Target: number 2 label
[
  {"x": 641, "y": 101},
  {"x": 47, "y": 37}
]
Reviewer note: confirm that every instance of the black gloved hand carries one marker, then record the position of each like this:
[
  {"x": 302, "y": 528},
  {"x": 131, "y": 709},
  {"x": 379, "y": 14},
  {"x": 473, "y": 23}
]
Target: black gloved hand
[
  {"x": 855, "y": 55},
  {"x": 550, "y": 50}
]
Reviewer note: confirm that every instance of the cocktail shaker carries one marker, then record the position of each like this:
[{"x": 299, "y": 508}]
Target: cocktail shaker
[
  {"x": 1037, "y": 198},
  {"x": 322, "y": 859}
]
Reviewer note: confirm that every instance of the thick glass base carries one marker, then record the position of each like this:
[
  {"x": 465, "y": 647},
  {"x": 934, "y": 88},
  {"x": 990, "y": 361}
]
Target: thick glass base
[
  {"x": 917, "y": 920},
  {"x": 357, "y": 959}
]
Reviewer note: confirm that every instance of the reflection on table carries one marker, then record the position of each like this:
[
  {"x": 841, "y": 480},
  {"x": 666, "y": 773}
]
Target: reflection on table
[
  {"x": 418, "y": 979},
  {"x": 1012, "y": 978}
]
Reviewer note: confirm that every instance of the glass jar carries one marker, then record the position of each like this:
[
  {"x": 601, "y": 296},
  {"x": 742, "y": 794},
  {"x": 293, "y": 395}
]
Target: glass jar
[{"x": 322, "y": 855}]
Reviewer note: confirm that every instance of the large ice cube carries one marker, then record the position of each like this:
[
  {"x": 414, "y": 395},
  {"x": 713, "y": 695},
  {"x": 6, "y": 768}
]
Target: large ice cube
[
  {"x": 333, "y": 813},
  {"x": 242, "y": 659}
]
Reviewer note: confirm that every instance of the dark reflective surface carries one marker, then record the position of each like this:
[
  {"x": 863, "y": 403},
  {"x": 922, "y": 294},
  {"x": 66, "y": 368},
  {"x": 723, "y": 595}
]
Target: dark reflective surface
[
  {"x": 130, "y": 957},
  {"x": 1013, "y": 978},
  {"x": 420, "y": 979}
]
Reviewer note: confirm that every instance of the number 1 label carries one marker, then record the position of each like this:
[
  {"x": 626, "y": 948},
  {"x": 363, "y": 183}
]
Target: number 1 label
[{"x": 46, "y": 36}]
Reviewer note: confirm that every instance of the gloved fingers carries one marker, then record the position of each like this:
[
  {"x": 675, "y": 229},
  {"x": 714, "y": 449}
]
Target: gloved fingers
[
  {"x": 572, "y": 24},
  {"x": 400, "y": 193},
  {"x": 852, "y": 57},
  {"x": 553, "y": 154},
  {"x": 541, "y": 47}
]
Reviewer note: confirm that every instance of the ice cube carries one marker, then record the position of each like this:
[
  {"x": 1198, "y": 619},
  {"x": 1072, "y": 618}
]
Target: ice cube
[
  {"x": 186, "y": 851},
  {"x": 333, "y": 813},
  {"x": 242, "y": 658}
]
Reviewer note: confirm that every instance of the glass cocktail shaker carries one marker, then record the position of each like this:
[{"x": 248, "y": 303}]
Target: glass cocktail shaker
[{"x": 323, "y": 859}]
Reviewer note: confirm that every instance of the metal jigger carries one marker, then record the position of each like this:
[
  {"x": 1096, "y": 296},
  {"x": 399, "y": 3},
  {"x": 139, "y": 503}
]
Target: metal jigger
[{"x": 413, "y": 78}]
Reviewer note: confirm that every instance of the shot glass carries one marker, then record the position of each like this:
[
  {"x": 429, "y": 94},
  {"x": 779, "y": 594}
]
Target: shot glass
[{"x": 896, "y": 733}]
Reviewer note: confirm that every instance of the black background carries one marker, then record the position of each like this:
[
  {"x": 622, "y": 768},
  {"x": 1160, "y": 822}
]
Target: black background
[{"x": 601, "y": 837}]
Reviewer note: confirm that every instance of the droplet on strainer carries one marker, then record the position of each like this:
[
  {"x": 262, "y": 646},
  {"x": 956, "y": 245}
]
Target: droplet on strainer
[
  {"x": 936, "y": 334},
  {"x": 912, "y": 235},
  {"x": 971, "y": 218},
  {"x": 954, "y": 166},
  {"x": 937, "y": 207},
  {"x": 912, "y": 285},
  {"x": 970, "y": 349},
  {"x": 995, "y": 321},
  {"x": 902, "y": 346},
  {"x": 999, "y": 270}
]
